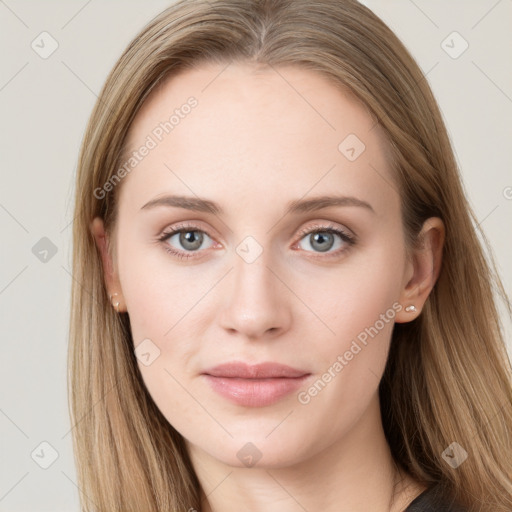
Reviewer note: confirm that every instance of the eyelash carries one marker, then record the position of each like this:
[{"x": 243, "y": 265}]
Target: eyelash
[{"x": 183, "y": 228}]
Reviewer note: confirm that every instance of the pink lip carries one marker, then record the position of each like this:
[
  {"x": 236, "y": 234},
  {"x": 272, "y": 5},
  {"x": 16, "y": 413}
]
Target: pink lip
[{"x": 254, "y": 385}]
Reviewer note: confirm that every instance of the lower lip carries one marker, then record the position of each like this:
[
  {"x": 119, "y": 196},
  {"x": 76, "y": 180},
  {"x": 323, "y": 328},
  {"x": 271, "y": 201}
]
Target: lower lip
[{"x": 254, "y": 392}]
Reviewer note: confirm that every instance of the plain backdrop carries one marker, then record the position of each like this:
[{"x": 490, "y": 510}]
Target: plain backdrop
[{"x": 45, "y": 104}]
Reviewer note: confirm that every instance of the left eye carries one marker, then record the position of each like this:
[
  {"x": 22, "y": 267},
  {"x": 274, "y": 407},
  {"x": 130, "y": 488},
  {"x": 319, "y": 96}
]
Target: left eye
[{"x": 323, "y": 240}]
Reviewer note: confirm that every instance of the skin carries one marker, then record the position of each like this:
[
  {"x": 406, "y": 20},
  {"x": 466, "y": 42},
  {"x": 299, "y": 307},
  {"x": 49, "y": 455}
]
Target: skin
[{"x": 258, "y": 139}]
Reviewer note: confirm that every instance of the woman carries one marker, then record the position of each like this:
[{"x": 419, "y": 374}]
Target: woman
[{"x": 221, "y": 358}]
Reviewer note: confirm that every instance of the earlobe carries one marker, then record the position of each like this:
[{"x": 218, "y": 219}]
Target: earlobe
[{"x": 426, "y": 262}]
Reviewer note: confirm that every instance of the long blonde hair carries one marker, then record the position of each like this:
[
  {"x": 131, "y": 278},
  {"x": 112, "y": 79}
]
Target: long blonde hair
[{"x": 448, "y": 376}]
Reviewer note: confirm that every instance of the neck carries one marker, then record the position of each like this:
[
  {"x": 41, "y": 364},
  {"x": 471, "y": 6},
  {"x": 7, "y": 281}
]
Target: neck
[{"x": 355, "y": 474}]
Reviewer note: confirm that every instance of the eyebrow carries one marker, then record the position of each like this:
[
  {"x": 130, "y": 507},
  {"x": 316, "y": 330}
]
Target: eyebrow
[{"x": 297, "y": 206}]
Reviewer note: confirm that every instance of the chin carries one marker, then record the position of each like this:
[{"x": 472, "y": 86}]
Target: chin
[{"x": 256, "y": 452}]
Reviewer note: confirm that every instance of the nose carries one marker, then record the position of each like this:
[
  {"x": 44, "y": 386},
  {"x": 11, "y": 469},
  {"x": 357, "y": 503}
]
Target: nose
[{"x": 257, "y": 303}]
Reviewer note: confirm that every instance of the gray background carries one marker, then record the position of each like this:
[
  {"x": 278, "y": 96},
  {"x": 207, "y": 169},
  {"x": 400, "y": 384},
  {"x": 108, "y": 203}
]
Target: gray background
[{"x": 45, "y": 104}]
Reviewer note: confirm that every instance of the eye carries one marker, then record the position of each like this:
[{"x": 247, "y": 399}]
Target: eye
[
  {"x": 185, "y": 239},
  {"x": 323, "y": 239}
]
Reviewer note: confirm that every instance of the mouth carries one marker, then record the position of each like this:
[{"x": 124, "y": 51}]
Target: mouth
[{"x": 254, "y": 385}]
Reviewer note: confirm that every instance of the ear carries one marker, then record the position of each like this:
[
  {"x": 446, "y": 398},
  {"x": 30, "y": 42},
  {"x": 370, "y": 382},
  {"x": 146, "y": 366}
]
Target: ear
[
  {"x": 112, "y": 282},
  {"x": 423, "y": 269}
]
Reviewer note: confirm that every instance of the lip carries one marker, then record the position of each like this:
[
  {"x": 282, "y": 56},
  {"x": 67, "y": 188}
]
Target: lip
[{"x": 254, "y": 385}]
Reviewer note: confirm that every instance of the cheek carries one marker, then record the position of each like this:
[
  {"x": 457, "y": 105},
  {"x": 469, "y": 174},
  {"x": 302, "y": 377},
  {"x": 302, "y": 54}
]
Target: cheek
[
  {"x": 159, "y": 293},
  {"x": 163, "y": 334},
  {"x": 358, "y": 306},
  {"x": 168, "y": 312},
  {"x": 166, "y": 305},
  {"x": 351, "y": 296}
]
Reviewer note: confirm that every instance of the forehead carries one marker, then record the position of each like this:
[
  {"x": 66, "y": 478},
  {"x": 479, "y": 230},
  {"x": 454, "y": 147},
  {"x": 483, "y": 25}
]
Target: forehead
[{"x": 264, "y": 133}]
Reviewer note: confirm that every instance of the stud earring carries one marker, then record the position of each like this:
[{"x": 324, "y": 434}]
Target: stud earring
[
  {"x": 116, "y": 303},
  {"x": 411, "y": 308}
]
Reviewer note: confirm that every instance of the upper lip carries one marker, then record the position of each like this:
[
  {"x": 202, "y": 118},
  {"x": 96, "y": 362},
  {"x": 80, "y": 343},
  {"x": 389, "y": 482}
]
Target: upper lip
[{"x": 238, "y": 369}]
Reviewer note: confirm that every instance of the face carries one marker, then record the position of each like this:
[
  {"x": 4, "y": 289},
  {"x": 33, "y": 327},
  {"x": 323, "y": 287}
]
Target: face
[{"x": 262, "y": 272}]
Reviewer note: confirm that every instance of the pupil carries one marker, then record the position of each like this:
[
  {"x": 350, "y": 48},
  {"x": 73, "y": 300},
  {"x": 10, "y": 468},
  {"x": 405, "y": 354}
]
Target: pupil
[
  {"x": 321, "y": 238},
  {"x": 191, "y": 239}
]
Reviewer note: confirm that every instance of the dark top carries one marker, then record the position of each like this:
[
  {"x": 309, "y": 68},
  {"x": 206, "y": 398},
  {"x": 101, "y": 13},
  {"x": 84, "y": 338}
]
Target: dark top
[{"x": 433, "y": 499}]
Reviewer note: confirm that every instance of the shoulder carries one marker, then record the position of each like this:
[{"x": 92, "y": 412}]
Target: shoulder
[{"x": 434, "y": 499}]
